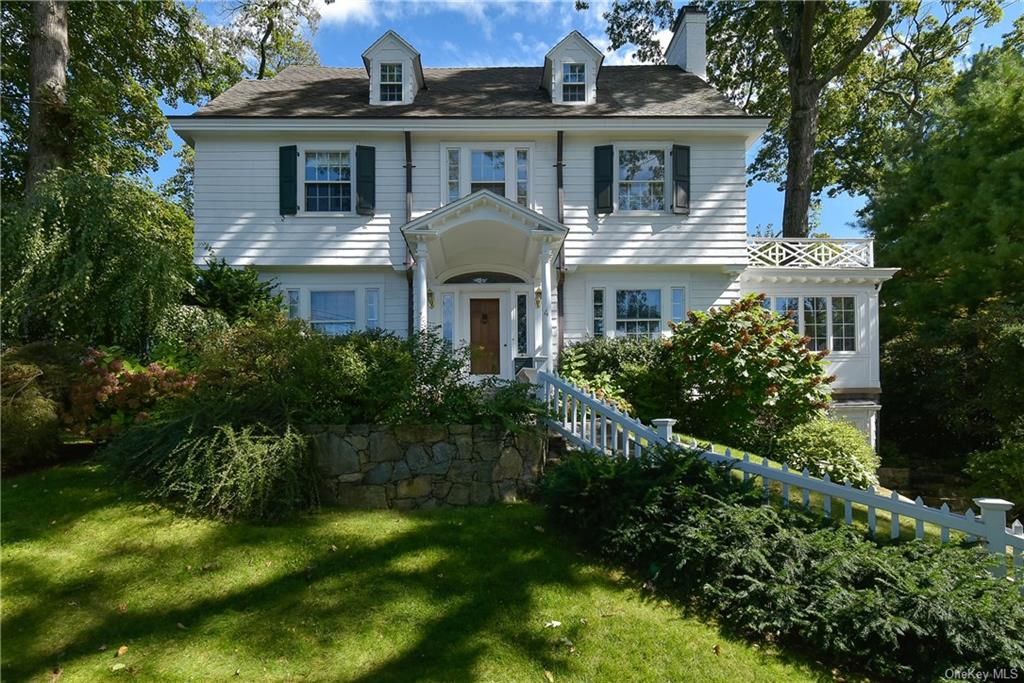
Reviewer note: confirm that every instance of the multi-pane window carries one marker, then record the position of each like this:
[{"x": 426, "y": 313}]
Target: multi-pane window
[
  {"x": 574, "y": 82},
  {"x": 453, "y": 174},
  {"x": 487, "y": 168},
  {"x": 292, "y": 303},
  {"x": 328, "y": 181},
  {"x": 678, "y": 304},
  {"x": 816, "y": 323},
  {"x": 788, "y": 307},
  {"x": 827, "y": 322},
  {"x": 372, "y": 309},
  {"x": 391, "y": 82},
  {"x": 598, "y": 312},
  {"x": 522, "y": 177},
  {"x": 522, "y": 321},
  {"x": 638, "y": 312},
  {"x": 448, "y": 318},
  {"x": 641, "y": 180},
  {"x": 844, "y": 328},
  {"x": 333, "y": 312}
]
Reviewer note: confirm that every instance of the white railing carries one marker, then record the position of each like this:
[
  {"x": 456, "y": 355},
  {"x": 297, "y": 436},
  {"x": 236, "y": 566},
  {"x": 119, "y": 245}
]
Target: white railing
[
  {"x": 772, "y": 252},
  {"x": 589, "y": 423}
]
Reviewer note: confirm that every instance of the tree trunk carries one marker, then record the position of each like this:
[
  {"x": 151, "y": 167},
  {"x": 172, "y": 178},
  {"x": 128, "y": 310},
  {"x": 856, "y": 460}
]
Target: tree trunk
[
  {"x": 48, "y": 64},
  {"x": 801, "y": 135}
]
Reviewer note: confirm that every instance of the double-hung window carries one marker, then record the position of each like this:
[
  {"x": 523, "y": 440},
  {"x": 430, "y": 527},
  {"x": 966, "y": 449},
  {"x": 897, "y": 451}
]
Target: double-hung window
[
  {"x": 391, "y": 82},
  {"x": 293, "y": 303},
  {"x": 598, "y": 312},
  {"x": 372, "y": 309},
  {"x": 637, "y": 312},
  {"x": 678, "y": 304},
  {"x": 333, "y": 312},
  {"x": 574, "y": 82},
  {"x": 641, "y": 180},
  {"x": 487, "y": 169},
  {"x": 328, "y": 181},
  {"x": 844, "y": 328}
]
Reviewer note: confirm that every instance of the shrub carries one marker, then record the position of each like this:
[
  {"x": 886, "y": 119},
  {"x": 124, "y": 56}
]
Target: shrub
[
  {"x": 245, "y": 473},
  {"x": 741, "y": 375},
  {"x": 1000, "y": 472},
  {"x": 235, "y": 292},
  {"x": 92, "y": 258},
  {"x": 833, "y": 447},
  {"x": 115, "y": 391},
  {"x": 181, "y": 331},
  {"x": 29, "y": 421},
  {"x": 264, "y": 379},
  {"x": 621, "y": 370},
  {"x": 905, "y": 610}
]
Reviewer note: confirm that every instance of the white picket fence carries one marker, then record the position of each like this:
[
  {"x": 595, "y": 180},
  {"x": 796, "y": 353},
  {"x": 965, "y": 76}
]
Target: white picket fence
[{"x": 589, "y": 423}]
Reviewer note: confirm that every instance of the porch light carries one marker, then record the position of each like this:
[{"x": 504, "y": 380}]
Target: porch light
[{"x": 537, "y": 296}]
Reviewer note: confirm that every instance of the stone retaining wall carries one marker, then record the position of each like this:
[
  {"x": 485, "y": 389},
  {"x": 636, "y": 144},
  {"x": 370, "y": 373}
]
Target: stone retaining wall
[{"x": 408, "y": 467}]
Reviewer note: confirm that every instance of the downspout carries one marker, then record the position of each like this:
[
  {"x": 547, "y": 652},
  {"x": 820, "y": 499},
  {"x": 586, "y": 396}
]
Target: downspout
[
  {"x": 560, "y": 286},
  {"x": 408, "y": 217}
]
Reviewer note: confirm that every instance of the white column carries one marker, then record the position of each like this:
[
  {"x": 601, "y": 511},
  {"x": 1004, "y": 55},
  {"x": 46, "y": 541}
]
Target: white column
[
  {"x": 545, "y": 306},
  {"x": 420, "y": 286}
]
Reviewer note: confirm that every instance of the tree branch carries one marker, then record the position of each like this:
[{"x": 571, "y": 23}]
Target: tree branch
[{"x": 882, "y": 9}]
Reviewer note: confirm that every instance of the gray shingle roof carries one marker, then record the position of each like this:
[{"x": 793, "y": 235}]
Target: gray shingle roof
[{"x": 492, "y": 92}]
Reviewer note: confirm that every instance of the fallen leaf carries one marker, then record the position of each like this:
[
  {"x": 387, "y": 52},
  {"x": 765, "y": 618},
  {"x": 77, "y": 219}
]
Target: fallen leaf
[
  {"x": 571, "y": 646},
  {"x": 103, "y": 648},
  {"x": 552, "y": 624},
  {"x": 539, "y": 529},
  {"x": 118, "y": 667},
  {"x": 181, "y": 626},
  {"x": 334, "y": 548},
  {"x": 550, "y": 676},
  {"x": 122, "y": 651},
  {"x": 718, "y": 650},
  {"x": 122, "y": 608}
]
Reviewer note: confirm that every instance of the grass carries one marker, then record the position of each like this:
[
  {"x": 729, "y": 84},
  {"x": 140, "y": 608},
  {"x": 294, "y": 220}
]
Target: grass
[{"x": 445, "y": 595}]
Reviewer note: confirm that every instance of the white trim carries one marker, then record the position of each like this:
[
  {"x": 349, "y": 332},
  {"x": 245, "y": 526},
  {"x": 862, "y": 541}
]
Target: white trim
[
  {"x": 817, "y": 276},
  {"x": 502, "y": 294},
  {"x": 611, "y": 285},
  {"x": 828, "y": 295},
  {"x": 751, "y": 127}
]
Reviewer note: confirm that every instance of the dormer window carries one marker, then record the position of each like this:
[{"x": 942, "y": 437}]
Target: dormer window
[
  {"x": 391, "y": 82},
  {"x": 574, "y": 82}
]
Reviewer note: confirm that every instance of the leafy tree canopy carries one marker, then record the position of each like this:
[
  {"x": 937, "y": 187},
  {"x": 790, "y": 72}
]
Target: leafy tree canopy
[{"x": 865, "y": 112}]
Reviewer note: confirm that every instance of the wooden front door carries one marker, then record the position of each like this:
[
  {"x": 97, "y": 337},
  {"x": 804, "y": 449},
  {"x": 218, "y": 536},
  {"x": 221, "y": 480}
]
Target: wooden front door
[{"x": 484, "y": 336}]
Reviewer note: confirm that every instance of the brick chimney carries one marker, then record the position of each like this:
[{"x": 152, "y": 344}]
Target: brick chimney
[{"x": 688, "y": 47}]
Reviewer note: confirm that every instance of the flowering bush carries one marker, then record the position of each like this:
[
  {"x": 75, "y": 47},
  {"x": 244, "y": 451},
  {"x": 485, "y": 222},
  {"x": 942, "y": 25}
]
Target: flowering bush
[
  {"x": 741, "y": 375},
  {"x": 115, "y": 391}
]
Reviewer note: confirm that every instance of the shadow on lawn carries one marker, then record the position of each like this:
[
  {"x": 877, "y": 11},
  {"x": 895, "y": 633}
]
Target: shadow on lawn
[{"x": 473, "y": 571}]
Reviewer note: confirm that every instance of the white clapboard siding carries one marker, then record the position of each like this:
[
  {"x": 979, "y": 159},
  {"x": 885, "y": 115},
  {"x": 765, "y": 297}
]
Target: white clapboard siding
[{"x": 237, "y": 212}]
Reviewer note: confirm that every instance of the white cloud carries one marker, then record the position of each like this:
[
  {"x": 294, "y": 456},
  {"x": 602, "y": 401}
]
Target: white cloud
[{"x": 348, "y": 11}]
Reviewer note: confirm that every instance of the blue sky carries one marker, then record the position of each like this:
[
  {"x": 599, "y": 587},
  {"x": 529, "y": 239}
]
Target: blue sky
[{"x": 506, "y": 33}]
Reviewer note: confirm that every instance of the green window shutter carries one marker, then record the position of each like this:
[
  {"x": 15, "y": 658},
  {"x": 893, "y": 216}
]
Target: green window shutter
[
  {"x": 604, "y": 175},
  {"x": 287, "y": 179},
  {"x": 366, "y": 180},
  {"x": 680, "y": 179}
]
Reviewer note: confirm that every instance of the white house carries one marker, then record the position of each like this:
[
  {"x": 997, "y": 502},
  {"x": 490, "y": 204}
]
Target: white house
[{"x": 515, "y": 209}]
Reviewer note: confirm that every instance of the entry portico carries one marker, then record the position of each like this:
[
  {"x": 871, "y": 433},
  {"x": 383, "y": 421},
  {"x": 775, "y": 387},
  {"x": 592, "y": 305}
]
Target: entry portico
[{"x": 483, "y": 276}]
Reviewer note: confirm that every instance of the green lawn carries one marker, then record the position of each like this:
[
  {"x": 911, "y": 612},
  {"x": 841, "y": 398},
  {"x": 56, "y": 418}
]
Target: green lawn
[{"x": 449, "y": 595}]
